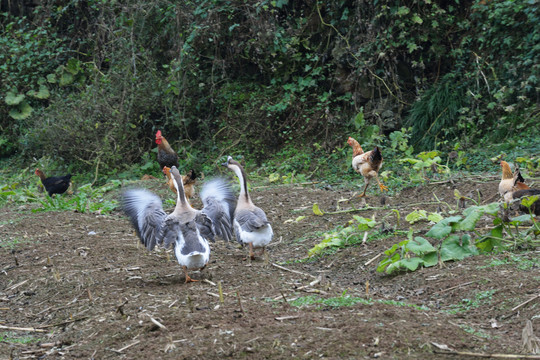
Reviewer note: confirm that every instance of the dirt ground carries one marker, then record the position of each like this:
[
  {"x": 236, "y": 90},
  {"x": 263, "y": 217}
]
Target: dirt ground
[{"x": 78, "y": 285}]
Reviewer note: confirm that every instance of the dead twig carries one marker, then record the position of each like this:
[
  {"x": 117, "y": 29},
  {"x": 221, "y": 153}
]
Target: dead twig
[
  {"x": 290, "y": 317},
  {"x": 209, "y": 282},
  {"x": 454, "y": 287},
  {"x": 485, "y": 355},
  {"x": 157, "y": 323},
  {"x": 13, "y": 287},
  {"x": 373, "y": 259},
  {"x": 130, "y": 345},
  {"x": 21, "y": 328},
  {"x": 525, "y": 302},
  {"x": 63, "y": 322},
  {"x": 293, "y": 271},
  {"x": 240, "y": 304},
  {"x": 311, "y": 284}
]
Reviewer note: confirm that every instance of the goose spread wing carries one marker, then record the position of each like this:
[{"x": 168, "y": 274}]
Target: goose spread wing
[
  {"x": 219, "y": 204},
  {"x": 145, "y": 211},
  {"x": 205, "y": 226},
  {"x": 251, "y": 219}
]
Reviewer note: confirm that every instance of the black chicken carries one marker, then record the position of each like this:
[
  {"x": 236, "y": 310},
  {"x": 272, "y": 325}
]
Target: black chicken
[{"x": 54, "y": 184}]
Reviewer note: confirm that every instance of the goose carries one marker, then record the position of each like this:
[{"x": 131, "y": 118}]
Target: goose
[
  {"x": 250, "y": 223},
  {"x": 186, "y": 228}
]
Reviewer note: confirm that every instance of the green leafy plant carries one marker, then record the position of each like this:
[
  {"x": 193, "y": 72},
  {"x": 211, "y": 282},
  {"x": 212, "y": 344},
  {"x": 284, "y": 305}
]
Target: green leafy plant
[
  {"x": 349, "y": 235},
  {"x": 87, "y": 199},
  {"x": 426, "y": 160},
  {"x": 418, "y": 215},
  {"x": 455, "y": 242}
]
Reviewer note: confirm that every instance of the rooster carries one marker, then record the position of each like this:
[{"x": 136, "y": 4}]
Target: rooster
[
  {"x": 166, "y": 155},
  {"x": 368, "y": 164},
  {"x": 54, "y": 184},
  {"x": 510, "y": 182},
  {"x": 188, "y": 181}
]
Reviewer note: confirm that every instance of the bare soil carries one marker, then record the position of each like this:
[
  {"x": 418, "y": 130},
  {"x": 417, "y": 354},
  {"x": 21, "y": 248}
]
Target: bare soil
[{"x": 80, "y": 286}]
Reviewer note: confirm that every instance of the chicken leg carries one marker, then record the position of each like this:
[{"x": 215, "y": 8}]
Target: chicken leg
[{"x": 381, "y": 186}]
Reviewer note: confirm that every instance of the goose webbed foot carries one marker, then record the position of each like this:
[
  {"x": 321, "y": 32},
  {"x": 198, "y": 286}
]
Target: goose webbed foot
[{"x": 188, "y": 278}]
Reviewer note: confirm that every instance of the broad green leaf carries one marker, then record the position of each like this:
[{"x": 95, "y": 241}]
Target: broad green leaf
[
  {"x": 364, "y": 223},
  {"x": 392, "y": 249},
  {"x": 435, "y": 217},
  {"x": 51, "y": 78},
  {"x": 66, "y": 78},
  {"x": 430, "y": 259},
  {"x": 13, "y": 99},
  {"x": 21, "y": 112},
  {"x": 273, "y": 177},
  {"x": 359, "y": 120},
  {"x": 452, "y": 250},
  {"x": 316, "y": 210},
  {"x": 416, "y": 215},
  {"x": 73, "y": 66},
  {"x": 518, "y": 220},
  {"x": 417, "y": 19},
  {"x": 404, "y": 264},
  {"x": 42, "y": 93},
  {"x": 529, "y": 200},
  {"x": 411, "y": 263},
  {"x": 411, "y": 47},
  {"x": 420, "y": 246},
  {"x": 403, "y": 10},
  {"x": 489, "y": 242},
  {"x": 469, "y": 223},
  {"x": 439, "y": 230},
  {"x": 411, "y": 161}
]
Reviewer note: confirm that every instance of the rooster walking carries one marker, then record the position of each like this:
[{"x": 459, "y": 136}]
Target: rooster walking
[{"x": 368, "y": 164}]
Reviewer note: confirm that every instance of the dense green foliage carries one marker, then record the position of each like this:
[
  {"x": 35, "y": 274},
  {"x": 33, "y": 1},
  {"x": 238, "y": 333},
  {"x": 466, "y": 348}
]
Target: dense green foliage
[{"x": 89, "y": 82}]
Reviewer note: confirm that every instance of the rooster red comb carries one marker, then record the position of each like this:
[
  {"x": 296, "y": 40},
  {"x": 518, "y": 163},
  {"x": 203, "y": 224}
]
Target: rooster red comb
[{"x": 158, "y": 134}]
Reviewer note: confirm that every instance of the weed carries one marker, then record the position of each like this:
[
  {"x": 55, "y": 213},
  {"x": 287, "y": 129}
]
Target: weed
[
  {"x": 12, "y": 338},
  {"x": 521, "y": 262},
  {"x": 346, "y": 300},
  {"x": 480, "y": 299},
  {"x": 12, "y": 243},
  {"x": 347, "y": 236},
  {"x": 473, "y": 331}
]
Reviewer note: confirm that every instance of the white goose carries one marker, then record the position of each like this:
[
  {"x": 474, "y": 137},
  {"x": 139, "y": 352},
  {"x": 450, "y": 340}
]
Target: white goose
[
  {"x": 186, "y": 228},
  {"x": 250, "y": 223}
]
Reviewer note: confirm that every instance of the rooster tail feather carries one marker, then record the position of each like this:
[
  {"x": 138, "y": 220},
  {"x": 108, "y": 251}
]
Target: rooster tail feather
[{"x": 376, "y": 155}]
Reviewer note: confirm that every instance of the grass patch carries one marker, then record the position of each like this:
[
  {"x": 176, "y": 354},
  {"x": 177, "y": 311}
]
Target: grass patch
[
  {"x": 470, "y": 330},
  {"x": 12, "y": 338},
  {"x": 520, "y": 262},
  {"x": 480, "y": 299},
  {"x": 347, "y": 301},
  {"x": 11, "y": 244}
]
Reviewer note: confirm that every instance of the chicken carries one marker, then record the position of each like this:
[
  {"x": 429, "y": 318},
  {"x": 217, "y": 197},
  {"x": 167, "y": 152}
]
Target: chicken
[
  {"x": 368, "y": 164},
  {"x": 55, "y": 184},
  {"x": 187, "y": 229},
  {"x": 535, "y": 207},
  {"x": 250, "y": 223},
  {"x": 510, "y": 182},
  {"x": 166, "y": 155},
  {"x": 188, "y": 181}
]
